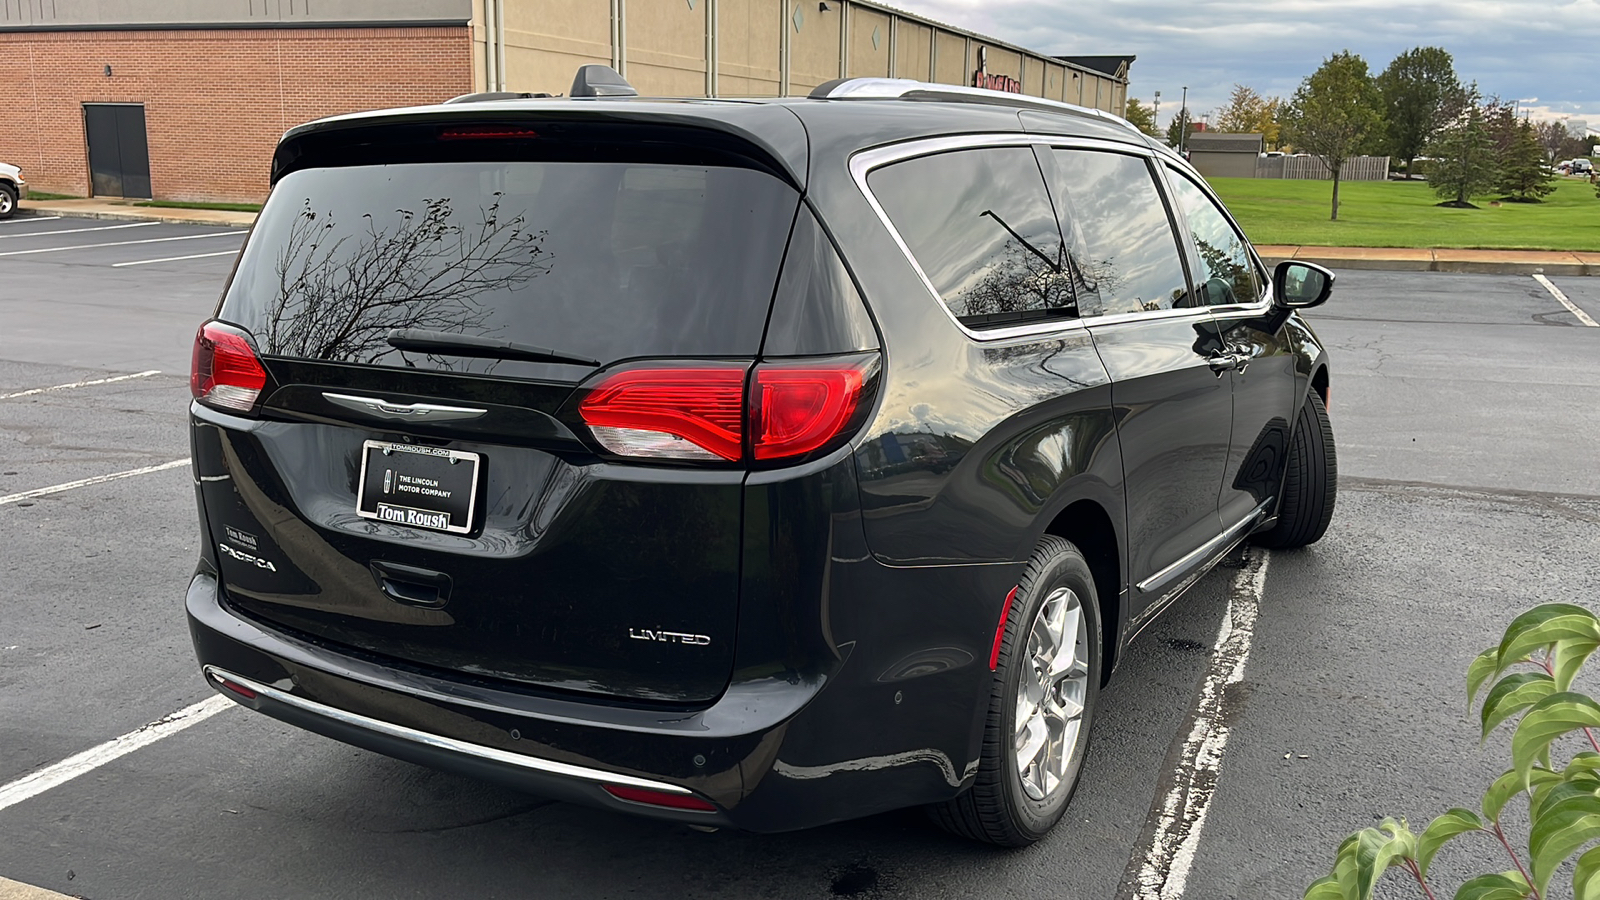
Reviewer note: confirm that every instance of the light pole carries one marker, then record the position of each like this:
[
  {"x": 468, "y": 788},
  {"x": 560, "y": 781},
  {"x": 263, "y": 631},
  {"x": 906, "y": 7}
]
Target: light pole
[
  {"x": 1183, "y": 119},
  {"x": 1155, "y": 117}
]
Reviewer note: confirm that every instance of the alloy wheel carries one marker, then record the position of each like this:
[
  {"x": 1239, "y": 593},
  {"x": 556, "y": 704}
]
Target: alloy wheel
[{"x": 1051, "y": 694}]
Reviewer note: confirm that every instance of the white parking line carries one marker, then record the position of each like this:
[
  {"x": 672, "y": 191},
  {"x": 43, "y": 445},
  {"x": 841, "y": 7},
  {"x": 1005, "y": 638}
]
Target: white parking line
[
  {"x": 30, "y": 219},
  {"x": 78, "y": 230},
  {"x": 38, "y": 782},
  {"x": 85, "y": 482},
  {"x": 1164, "y": 872},
  {"x": 146, "y": 262},
  {"x": 1556, "y": 292},
  {"x": 16, "y": 890},
  {"x": 78, "y": 384},
  {"x": 186, "y": 237}
]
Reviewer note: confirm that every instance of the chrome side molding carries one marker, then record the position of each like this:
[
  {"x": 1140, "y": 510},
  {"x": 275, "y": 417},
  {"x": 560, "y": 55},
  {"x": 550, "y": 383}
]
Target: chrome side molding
[{"x": 1188, "y": 560}]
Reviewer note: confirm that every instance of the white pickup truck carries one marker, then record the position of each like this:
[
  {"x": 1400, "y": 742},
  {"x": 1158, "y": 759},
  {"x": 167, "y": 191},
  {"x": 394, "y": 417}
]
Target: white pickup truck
[{"x": 12, "y": 189}]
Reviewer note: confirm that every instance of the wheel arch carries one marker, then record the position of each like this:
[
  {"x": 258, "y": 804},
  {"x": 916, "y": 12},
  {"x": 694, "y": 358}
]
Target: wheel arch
[{"x": 1091, "y": 529}]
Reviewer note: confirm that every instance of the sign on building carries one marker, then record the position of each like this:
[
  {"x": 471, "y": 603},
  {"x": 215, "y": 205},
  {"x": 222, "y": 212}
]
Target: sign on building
[{"x": 982, "y": 79}]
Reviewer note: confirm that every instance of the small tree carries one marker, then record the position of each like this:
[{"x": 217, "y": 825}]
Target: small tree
[
  {"x": 1247, "y": 112},
  {"x": 1181, "y": 128},
  {"x": 1523, "y": 174},
  {"x": 1415, "y": 89},
  {"x": 1332, "y": 114},
  {"x": 1141, "y": 117},
  {"x": 1552, "y": 135},
  {"x": 1464, "y": 155}
]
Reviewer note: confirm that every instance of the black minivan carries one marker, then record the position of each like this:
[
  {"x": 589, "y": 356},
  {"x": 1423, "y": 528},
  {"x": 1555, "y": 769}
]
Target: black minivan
[{"x": 741, "y": 463}]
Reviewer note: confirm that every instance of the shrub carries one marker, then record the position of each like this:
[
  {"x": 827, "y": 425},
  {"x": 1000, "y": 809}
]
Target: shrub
[{"x": 1547, "y": 646}]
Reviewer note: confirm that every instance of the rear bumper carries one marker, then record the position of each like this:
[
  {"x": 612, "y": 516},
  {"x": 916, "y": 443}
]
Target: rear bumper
[
  {"x": 771, "y": 755},
  {"x": 562, "y": 781}
]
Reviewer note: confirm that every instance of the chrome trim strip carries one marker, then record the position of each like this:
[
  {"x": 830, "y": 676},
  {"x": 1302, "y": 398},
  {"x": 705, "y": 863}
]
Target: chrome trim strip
[
  {"x": 862, "y": 164},
  {"x": 410, "y": 412},
  {"x": 439, "y": 742},
  {"x": 1165, "y": 575}
]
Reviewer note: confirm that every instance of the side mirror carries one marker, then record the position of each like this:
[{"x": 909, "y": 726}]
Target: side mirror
[{"x": 1300, "y": 285}]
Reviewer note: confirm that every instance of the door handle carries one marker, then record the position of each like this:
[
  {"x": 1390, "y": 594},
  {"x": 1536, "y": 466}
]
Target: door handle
[{"x": 1222, "y": 362}]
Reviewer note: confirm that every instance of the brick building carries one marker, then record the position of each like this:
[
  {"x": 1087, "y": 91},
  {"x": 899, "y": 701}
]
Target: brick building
[{"x": 184, "y": 99}]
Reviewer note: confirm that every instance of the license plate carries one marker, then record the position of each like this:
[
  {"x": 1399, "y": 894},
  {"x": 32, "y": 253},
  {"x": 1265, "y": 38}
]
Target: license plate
[{"x": 423, "y": 487}]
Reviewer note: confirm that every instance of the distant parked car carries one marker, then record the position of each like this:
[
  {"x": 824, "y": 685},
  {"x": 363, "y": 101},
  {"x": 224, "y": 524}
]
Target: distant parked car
[
  {"x": 1581, "y": 166},
  {"x": 12, "y": 189}
]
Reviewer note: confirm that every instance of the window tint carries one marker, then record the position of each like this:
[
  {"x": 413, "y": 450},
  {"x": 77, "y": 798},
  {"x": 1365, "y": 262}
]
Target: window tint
[
  {"x": 980, "y": 225},
  {"x": 1226, "y": 273},
  {"x": 606, "y": 260},
  {"x": 1122, "y": 240}
]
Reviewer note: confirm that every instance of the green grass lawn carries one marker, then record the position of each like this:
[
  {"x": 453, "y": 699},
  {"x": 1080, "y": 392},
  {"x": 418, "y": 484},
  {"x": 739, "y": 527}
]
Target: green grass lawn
[
  {"x": 1403, "y": 214},
  {"x": 226, "y": 207}
]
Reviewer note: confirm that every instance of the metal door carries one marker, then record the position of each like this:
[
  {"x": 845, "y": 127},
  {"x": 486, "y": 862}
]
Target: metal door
[{"x": 119, "y": 156}]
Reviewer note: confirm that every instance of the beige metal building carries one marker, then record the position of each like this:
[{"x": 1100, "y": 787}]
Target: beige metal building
[
  {"x": 761, "y": 48},
  {"x": 184, "y": 99}
]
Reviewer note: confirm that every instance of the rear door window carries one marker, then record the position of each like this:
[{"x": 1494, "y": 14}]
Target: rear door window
[
  {"x": 1227, "y": 274},
  {"x": 1121, "y": 237},
  {"x": 980, "y": 226},
  {"x": 601, "y": 260}
]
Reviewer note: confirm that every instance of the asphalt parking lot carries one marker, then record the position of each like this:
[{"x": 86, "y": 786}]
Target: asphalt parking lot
[{"x": 1467, "y": 409}]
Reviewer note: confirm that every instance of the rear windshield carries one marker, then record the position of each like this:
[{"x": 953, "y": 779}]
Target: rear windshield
[{"x": 601, "y": 260}]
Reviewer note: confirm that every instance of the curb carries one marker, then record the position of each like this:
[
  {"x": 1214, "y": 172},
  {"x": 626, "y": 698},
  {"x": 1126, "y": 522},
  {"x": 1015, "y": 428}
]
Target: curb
[
  {"x": 131, "y": 216},
  {"x": 1458, "y": 266}
]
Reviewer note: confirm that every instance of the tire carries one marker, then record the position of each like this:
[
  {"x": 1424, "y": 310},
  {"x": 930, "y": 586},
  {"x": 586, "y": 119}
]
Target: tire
[
  {"x": 1310, "y": 485},
  {"x": 998, "y": 807},
  {"x": 8, "y": 201}
]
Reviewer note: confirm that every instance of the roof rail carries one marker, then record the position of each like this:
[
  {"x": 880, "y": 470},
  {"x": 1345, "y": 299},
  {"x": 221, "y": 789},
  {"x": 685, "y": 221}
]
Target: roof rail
[
  {"x": 910, "y": 89},
  {"x": 495, "y": 95}
]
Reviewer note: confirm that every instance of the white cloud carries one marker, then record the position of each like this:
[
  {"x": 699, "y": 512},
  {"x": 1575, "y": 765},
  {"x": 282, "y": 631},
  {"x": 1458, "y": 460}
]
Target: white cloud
[{"x": 1511, "y": 48}]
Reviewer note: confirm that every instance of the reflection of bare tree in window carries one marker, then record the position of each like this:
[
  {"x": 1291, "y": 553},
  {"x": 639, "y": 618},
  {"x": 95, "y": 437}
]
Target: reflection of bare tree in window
[
  {"x": 1018, "y": 281},
  {"x": 1230, "y": 273},
  {"x": 338, "y": 297}
]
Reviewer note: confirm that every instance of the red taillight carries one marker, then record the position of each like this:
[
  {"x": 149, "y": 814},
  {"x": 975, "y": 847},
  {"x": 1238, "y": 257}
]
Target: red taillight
[
  {"x": 699, "y": 411},
  {"x": 801, "y": 406},
  {"x": 670, "y": 413},
  {"x": 658, "y": 798},
  {"x": 226, "y": 373},
  {"x": 487, "y": 132}
]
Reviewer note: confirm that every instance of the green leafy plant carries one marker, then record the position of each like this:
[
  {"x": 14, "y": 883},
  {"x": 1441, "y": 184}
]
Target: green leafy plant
[{"x": 1529, "y": 675}]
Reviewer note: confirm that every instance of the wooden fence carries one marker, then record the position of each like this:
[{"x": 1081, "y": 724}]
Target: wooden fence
[{"x": 1356, "y": 168}]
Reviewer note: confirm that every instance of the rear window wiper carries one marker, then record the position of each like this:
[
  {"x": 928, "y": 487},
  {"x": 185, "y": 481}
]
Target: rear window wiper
[{"x": 448, "y": 344}]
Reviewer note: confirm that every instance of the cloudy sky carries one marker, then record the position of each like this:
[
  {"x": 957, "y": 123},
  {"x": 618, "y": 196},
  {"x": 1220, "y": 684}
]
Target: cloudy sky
[{"x": 1547, "y": 53}]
